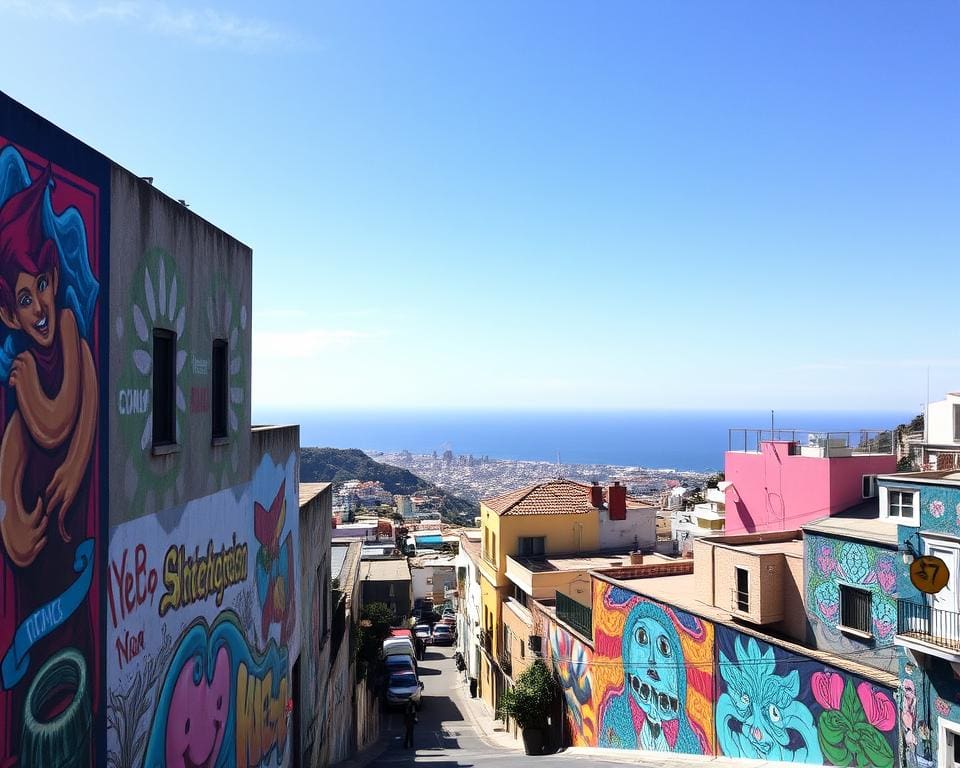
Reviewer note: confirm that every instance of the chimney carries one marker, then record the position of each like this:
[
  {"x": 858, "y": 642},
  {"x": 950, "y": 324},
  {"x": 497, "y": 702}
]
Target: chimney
[
  {"x": 596, "y": 495},
  {"x": 617, "y": 501}
]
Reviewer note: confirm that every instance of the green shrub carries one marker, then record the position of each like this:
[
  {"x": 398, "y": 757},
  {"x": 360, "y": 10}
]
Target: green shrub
[{"x": 531, "y": 697}]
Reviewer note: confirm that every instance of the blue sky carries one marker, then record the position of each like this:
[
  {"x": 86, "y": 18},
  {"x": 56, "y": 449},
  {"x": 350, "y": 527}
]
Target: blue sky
[{"x": 541, "y": 204}]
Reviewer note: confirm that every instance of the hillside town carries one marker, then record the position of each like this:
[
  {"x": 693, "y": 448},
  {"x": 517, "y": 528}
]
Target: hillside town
[{"x": 174, "y": 595}]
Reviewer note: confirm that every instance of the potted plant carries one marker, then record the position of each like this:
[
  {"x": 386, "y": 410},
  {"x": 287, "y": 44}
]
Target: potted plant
[{"x": 528, "y": 703}]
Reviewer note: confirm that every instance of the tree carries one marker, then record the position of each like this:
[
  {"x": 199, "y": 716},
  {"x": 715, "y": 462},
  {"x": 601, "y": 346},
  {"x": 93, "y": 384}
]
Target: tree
[
  {"x": 375, "y": 622},
  {"x": 531, "y": 697}
]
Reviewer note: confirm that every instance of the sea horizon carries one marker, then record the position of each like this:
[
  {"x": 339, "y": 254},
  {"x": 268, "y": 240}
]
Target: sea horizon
[{"x": 687, "y": 439}]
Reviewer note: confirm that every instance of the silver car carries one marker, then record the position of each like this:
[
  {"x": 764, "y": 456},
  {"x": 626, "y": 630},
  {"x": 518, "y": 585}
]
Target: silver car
[{"x": 403, "y": 687}]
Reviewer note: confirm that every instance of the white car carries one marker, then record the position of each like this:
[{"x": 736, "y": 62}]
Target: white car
[
  {"x": 393, "y": 646},
  {"x": 423, "y": 632}
]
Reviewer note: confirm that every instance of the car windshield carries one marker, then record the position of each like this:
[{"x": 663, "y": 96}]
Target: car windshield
[
  {"x": 422, "y": 628},
  {"x": 403, "y": 681},
  {"x": 441, "y": 629}
]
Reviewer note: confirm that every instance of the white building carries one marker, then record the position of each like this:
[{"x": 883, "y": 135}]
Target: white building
[
  {"x": 941, "y": 445},
  {"x": 468, "y": 608},
  {"x": 707, "y": 518}
]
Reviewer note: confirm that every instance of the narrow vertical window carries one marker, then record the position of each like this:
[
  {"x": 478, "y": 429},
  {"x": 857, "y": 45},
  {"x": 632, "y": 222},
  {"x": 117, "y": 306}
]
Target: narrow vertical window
[
  {"x": 218, "y": 389},
  {"x": 164, "y": 387}
]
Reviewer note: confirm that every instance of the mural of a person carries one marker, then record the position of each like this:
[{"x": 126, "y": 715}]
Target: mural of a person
[
  {"x": 760, "y": 715},
  {"x": 48, "y": 296},
  {"x": 649, "y": 712}
]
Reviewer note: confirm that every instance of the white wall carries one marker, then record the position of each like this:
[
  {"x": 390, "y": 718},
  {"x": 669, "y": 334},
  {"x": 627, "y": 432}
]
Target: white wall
[
  {"x": 641, "y": 524},
  {"x": 940, "y": 421}
]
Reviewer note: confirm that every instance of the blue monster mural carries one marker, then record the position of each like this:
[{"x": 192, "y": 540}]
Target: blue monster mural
[
  {"x": 653, "y": 713},
  {"x": 759, "y": 715}
]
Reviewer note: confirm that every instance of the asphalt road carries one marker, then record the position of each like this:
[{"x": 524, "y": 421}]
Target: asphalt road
[{"x": 447, "y": 737}]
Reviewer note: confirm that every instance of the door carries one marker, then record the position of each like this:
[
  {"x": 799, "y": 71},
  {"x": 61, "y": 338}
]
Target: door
[{"x": 944, "y": 618}]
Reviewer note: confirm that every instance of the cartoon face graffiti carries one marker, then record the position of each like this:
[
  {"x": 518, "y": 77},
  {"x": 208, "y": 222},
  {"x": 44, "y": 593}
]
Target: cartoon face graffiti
[
  {"x": 759, "y": 715},
  {"x": 198, "y": 714},
  {"x": 650, "y": 659}
]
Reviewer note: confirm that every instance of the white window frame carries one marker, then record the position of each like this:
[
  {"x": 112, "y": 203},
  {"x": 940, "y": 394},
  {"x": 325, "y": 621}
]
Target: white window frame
[
  {"x": 944, "y": 759},
  {"x": 884, "y": 493},
  {"x": 873, "y": 486},
  {"x": 858, "y": 631}
]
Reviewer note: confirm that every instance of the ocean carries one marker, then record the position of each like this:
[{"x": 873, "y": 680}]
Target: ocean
[{"x": 692, "y": 440}]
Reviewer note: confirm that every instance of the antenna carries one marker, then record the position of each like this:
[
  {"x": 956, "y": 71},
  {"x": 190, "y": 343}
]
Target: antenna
[{"x": 926, "y": 408}]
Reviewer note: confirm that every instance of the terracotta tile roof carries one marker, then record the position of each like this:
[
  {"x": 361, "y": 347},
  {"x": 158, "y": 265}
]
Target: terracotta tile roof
[{"x": 551, "y": 497}]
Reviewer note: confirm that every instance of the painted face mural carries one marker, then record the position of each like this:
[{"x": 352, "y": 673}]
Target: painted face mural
[
  {"x": 759, "y": 715},
  {"x": 50, "y": 257},
  {"x": 198, "y": 713},
  {"x": 648, "y": 709}
]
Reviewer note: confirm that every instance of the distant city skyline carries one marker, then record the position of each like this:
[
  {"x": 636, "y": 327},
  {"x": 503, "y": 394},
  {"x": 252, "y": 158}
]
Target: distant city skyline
[{"x": 543, "y": 206}]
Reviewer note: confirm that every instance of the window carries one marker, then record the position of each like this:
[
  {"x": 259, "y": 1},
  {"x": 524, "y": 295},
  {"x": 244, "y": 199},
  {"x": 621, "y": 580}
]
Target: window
[
  {"x": 530, "y": 545},
  {"x": 164, "y": 387},
  {"x": 869, "y": 486},
  {"x": 742, "y": 593},
  {"x": 956, "y": 423},
  {"x": 493, "y": 546},
  {"x": 218, "y": 389},
  {"x": 855, "y": 608},
  {"x": 520, "y": 596},
  {"x": 900, "y": 504},
  {"x": 523, "y": 650}
]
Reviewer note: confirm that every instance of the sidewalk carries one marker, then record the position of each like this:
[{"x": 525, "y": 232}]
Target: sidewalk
[
  {"x": 678, "y": 760},
  {"x": 476, "y": 712}
]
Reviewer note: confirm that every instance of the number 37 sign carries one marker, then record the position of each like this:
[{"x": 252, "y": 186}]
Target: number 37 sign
[{"x": 929, "y": 574}]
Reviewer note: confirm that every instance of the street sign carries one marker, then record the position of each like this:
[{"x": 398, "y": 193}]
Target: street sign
[{"x": 929, "y": 574}]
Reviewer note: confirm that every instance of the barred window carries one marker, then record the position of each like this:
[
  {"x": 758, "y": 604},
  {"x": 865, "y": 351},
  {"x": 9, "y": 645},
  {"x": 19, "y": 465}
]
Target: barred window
[{"x": 855, "y": 608}]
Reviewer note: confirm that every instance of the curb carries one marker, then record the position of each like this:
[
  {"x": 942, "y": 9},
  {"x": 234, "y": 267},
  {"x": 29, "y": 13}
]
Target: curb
[{"x": 674, "y": 759}]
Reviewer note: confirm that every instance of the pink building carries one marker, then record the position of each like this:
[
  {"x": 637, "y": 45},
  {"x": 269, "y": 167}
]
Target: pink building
[{"x": 780, "y": 480}]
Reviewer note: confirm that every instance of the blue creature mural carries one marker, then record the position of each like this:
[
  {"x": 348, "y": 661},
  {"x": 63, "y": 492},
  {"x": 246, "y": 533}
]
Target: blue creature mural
[
  {"x": 759, "y": 715},
  {"x": 653, "y": 712}
]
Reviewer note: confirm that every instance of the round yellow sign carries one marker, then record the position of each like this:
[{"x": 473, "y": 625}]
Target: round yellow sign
[{"x": 929, "y": 574}]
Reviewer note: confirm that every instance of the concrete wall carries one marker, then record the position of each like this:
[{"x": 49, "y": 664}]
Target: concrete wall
[
  {"x": 774, "y": 490},
  {"x": 940, "y": 421},
  {"x": 315, "y": 641},
  {"x": 638, "y": 531},
  {"x": 54, "y": 447},
  {"x": 175, "y": 271}
]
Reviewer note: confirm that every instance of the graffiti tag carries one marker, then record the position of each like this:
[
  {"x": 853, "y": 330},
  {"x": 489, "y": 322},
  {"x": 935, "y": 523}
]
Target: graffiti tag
[
  {"x": 132, "y": 587},
  {"x": 133, "y": 401},
  {"x": 189, "y": 579}
]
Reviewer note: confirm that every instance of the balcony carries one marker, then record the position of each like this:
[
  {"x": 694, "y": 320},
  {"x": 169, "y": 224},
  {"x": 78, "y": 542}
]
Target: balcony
[
  {"x": 928, "y": 630},
  {"x": 812, "y": 443},
  {"x": 505, "y": 659},
  {"x": 486, "y": 640},
  {"x": 576, "y": 615}
]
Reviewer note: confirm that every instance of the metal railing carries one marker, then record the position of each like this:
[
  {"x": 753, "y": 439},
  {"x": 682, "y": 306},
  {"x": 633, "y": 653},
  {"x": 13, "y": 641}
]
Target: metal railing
[
  {"x": 861, "y": 441},
  {"x": 929, "y": 624},
  {"x": 578, "y": 616},
  {"x": 486, "y": 640},
  {"x": 505, "y": 659}
]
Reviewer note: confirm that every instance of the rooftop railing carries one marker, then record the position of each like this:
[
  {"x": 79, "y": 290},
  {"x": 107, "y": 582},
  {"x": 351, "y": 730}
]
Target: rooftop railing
[{"x": 853, "y": 442}]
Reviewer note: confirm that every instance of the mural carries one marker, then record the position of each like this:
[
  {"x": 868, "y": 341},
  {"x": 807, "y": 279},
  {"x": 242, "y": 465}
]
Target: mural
[
  {"x": 661, "y": 698},
  {"x": 573, "y": 662},
  {"x": 50, "y": 478},
  {"x": 194, "y": 627},
  {"x": 774, "y": 705},
  {"x": 831, "y": 562}
]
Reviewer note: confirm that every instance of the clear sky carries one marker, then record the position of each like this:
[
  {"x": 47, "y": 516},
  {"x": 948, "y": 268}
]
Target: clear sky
[{"x": 547, "y": 204}]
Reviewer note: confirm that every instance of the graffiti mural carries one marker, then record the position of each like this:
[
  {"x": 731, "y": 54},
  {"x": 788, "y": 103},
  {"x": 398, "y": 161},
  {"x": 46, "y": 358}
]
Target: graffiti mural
[
  {"x": 831, "y": 562},
  {"x": 51, "y": 260},
  {"x": 774, "y": 705},
  {"x": 661, "y": 697},
  {"x": 573, "y": 662},
  {"x": 200, "y": 652}
]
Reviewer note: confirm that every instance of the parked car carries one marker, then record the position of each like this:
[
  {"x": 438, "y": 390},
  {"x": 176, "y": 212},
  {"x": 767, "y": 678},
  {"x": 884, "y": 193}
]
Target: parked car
[
  {"x": 423, "y": 632},
  {"x": 403, "y": 687},
  {"x": 399, "y": 646},
  {"x": 443, "y": 635},
  {"x": 400, "y": 663}
]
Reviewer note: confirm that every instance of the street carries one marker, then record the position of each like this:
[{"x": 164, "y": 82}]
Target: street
[{"x": 448, "y": 735}]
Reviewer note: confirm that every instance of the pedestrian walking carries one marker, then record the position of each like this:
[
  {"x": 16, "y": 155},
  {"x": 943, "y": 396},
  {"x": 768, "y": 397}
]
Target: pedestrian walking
[
  {"x": 409, "y": 720},
  {"x": 421, "y": 648}
]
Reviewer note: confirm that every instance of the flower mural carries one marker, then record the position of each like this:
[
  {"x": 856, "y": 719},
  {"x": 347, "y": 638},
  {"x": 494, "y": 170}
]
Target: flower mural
[
  {"x": 853, "y": 720},
  {"x": 833, "y": 562},
  {"x": 937, "y": 508}
]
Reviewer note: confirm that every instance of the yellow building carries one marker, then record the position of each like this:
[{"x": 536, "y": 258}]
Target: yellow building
[{"x": 556, "y": 516}]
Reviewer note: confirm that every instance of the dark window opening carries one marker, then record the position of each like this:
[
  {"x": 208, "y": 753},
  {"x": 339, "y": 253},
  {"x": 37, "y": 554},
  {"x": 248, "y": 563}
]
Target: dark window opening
[
  {"x": 218, "y": 393},
  {"x": 530, "y": 545},
  {"x": 164, "y": 387},
  {"x": 743, "y": 591},
  {"x": 855, "y": 608}
]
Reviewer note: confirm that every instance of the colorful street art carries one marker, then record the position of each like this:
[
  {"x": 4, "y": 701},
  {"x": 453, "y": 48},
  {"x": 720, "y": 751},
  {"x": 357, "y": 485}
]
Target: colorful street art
[
  {"x": 661, "y": 698},
  {"x": 50, "y": 478},
  {"x": 194, "y": 628},
  {"x": 573, "y": 662},
  {"x": 831, "y": 562},
  {"x": 774, "y": 705}
]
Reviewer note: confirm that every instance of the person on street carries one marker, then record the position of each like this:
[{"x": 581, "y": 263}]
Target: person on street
[
  {"x": 409, "y": 720},
  {"x": 421, "y": 648}
]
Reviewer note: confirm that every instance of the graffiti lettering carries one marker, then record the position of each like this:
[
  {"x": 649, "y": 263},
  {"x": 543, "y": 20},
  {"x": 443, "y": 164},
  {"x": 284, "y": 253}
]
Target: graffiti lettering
[
  {"x": 190, "y": 579},
  {"x": 132, "y": 589},
  {"x": 129, "y": 647},
  {"x": 200, "y": 366},
  {"x": 261, "y": 719},
  {"x": 199, "y": 400},
  {"x": 133, "y": 401}
]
